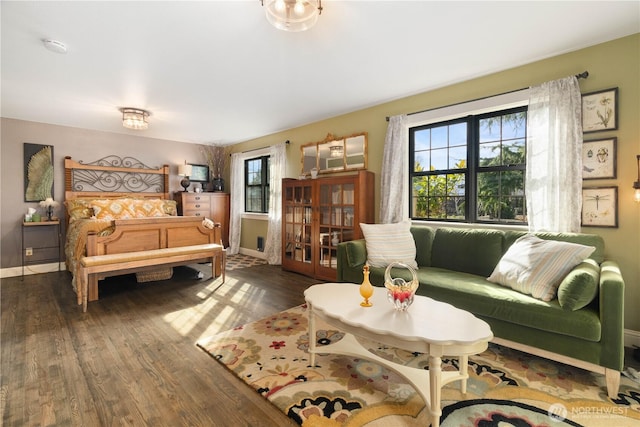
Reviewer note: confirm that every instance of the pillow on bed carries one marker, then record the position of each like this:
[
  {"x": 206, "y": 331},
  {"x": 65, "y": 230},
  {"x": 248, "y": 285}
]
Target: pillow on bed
[
  {"x": 145, "y": 208},
  {"x": 78, "y": 209},
  {"x": 111, "y": 208},
  {"x": 170, "y": 207}
]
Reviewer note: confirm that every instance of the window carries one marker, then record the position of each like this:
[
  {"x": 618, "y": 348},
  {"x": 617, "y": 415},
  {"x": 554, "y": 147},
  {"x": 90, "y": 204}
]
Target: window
[
  {"x": 470, "y": 169},
  {"x": 256, "y": 182}
]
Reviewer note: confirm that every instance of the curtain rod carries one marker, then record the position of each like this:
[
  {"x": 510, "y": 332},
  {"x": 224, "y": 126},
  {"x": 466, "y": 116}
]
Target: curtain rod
[
  {"x": 261, "y": 148},
  {"x": 582, "y": 75}
]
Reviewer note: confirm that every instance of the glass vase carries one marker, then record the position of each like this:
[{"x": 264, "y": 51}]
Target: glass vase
[{"x": 400, "y": 293}]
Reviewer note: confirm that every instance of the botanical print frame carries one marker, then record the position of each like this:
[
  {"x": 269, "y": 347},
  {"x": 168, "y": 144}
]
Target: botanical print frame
[
  {"x": 38, "y": 172},
  {"x": 599, "y": 158},
  {"x": 199, "y": 173},
  {"x": 600, "y": 110},
  {"x": 600, "y": 207}
]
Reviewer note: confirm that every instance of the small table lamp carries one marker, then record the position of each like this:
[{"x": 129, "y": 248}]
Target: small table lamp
[{"x": 185, "y": 170}]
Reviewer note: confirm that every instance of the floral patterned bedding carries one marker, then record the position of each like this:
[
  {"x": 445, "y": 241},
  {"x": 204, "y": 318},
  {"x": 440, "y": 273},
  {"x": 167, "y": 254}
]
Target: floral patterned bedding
[
  {"x": 76, "y": 243},
  {"x": 97, "y": 216}
]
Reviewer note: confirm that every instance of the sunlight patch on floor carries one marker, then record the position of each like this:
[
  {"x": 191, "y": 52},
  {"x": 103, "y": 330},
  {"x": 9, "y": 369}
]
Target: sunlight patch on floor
[{"x": 236, "y": 292}]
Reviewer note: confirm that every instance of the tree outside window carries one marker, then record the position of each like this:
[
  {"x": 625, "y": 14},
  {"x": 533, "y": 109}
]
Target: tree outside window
[{"x": 470, "y": 169}]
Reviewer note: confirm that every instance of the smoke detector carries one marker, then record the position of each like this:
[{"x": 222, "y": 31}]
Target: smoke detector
[{"x": 55, "y": 46}]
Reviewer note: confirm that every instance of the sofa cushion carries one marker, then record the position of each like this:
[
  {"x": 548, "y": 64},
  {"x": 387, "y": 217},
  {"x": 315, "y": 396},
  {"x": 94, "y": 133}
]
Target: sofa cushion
[
  {"x": 387, "y": 243},
  {"x": 580, "y": 286},
  {"x": 583, "y": 239},
  {"x": 423, "y": 237},
  {"x": 535, "y": 266},
  {"x": 356, "y": 251},
  {"x": 471, "y": 251},
  {"x": 475, "y": 294}
]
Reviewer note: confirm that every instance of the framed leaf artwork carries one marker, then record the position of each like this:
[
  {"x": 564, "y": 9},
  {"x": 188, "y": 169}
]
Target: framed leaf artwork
[
  {"x": 600, "y": 110},
  {"x": 600, "y": 207},
  {"x": 599, "y": 159},
  {"x": 38, "y": 172}
]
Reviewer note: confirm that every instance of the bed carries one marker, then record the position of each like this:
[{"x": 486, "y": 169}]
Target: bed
[{"x": 118, "y": 205}]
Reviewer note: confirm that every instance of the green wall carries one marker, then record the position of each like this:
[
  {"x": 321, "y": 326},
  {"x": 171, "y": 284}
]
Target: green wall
[{"x": 611, "y": 64}]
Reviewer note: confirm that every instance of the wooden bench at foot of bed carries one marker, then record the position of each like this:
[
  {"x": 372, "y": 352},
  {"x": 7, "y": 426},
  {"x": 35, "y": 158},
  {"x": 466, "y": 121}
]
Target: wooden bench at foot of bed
[{"x": 100, "y": 266}]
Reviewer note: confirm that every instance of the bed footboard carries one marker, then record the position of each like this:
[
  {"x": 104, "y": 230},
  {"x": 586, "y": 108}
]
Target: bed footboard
[{"x": 143, "y": 234}]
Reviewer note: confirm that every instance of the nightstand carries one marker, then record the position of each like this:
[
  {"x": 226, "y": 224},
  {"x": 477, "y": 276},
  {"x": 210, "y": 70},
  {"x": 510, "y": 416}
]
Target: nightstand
[{"x": 44, "y": 240}]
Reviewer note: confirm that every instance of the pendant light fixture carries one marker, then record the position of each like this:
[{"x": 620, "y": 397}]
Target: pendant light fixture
[
  {"x": 135, "y": 118},
  {"x": 292, "y": 15}
]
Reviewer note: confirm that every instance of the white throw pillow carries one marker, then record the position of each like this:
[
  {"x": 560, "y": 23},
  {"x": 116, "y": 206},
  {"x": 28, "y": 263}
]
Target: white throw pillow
[
  {"x": 387, "y": 243},
  {"x": 536, "y": 267}
]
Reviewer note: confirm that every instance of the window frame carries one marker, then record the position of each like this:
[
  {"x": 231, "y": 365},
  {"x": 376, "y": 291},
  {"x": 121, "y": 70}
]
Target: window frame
[
  {"x": 481, "y": 108},
  {"x": 264, "y": 184}
]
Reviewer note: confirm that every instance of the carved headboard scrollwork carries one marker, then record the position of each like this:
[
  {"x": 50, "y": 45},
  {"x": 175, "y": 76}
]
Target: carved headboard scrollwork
[{"x": 114, "y": 176}]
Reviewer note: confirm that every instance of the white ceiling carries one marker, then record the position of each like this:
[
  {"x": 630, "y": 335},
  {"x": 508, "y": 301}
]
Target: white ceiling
[{"x": 217, "y": 71}]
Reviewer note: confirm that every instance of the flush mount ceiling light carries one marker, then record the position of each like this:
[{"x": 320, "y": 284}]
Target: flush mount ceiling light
[
  {"x": 134, "y": 118},
  {"x": 336, "y": 150},
  {"x": 292, "y": 15},
  {"x": 55, "y": 46}
]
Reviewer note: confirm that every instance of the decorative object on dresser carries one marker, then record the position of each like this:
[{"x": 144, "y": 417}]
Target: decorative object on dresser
[
  {"x": 320, "y": 213},
  {"x": 206, "y": 205},
  {"x": 185, "y": 171},
  {"x": 199, "y": 173},
  {"x": 119, "y": 205},
  {"x": 218, "y": 159}
]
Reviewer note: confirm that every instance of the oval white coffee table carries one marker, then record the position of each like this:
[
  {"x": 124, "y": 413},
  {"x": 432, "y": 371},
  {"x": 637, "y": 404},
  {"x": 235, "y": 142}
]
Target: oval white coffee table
[{"x": 428, "y": 326}]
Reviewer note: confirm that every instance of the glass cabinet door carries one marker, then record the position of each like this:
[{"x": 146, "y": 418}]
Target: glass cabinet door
[
  {"x": 298, "y": 224},
  {"x": 336, "y": 221},
  {"x": 319, "y": 214}
]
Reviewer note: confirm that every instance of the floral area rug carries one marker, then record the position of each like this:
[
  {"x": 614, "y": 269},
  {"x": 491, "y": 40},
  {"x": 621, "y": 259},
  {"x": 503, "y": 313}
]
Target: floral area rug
[{"x": 505, "y": 387}]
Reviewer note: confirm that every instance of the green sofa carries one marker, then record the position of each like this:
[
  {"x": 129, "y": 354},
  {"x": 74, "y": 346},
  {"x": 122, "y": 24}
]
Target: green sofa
[{"x": 453, "y": 265}]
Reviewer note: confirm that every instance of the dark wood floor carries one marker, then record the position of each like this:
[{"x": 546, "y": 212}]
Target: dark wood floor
[{"x": 131, "y": 359}]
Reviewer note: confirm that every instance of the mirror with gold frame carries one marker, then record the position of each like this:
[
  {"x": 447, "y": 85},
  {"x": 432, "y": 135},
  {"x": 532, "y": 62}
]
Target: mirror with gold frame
[{"x": 335, "y": 154}]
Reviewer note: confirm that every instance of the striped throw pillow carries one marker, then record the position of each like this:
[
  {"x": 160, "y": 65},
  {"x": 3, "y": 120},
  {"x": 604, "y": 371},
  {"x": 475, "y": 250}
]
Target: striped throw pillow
[
  {"x": 387, "y": 243},
  {"x": 536, "y": 267}
]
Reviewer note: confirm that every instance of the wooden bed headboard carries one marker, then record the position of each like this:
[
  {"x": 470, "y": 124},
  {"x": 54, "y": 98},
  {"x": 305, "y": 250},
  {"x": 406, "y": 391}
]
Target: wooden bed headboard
[{"x": 114, "y": 176}]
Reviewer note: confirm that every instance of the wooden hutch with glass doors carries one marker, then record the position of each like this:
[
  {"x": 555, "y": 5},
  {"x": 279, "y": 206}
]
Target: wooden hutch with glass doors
[{"x": 318, "y": 214}]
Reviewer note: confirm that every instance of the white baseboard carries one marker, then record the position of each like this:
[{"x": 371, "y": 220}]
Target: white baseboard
[
  {"x": 31, "y": 269},
  {"x": 631, "y": 338}
]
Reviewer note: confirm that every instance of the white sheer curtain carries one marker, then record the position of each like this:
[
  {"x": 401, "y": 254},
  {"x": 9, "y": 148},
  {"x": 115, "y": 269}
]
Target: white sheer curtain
[
  {"x": 277, "y": 170},
  {"x": 394, "y": 202},
  {"x": 554, "y": 156},
  {"x": 237, "y": 190}
]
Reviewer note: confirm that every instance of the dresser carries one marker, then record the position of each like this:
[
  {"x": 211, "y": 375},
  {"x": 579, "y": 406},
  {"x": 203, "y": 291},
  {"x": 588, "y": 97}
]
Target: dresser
[{"x": 214, "y": 206}]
